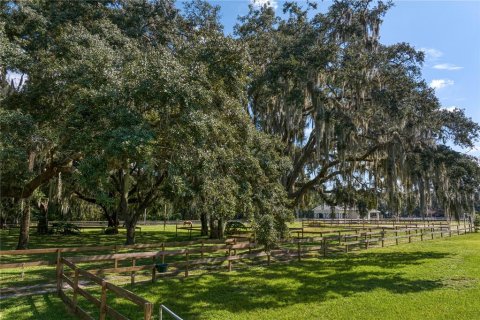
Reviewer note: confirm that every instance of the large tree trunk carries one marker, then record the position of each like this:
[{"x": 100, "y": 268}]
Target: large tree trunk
[
  {"x": 216, "y": 228},
  {"x": 220, "y": 228},
  {"x": 423, "y": 207},
  {"x": 112, "y": 220},
  {"x": 130, "y": 224},
  {"x": 204, "y": 222},
  {"x": 42, "y": 227},
  {"x": 123, "y": 208},
  {"x": 24, "y": 226},
  {"x": 213, "y": 229}
]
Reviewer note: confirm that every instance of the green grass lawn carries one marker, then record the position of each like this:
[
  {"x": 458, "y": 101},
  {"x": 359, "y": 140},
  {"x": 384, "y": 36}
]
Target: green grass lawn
[
  {"x": 437, "y": 279},
  {"x": 95, "y": 237}
]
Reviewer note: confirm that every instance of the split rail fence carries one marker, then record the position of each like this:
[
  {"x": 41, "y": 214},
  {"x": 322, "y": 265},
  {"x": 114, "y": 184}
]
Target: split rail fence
[{"x": 210, "y": 253}]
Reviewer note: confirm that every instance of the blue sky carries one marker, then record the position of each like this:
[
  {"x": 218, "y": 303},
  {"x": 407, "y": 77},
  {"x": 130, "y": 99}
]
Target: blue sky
[{"x": 448, "y": 32}]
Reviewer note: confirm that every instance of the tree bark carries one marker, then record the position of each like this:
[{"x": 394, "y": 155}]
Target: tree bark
[
  {"x": 50, "y": 172},
  {"x": 130, "y": 225},
  {"x": 213, "y": 229},
  {"x": 220, "y": 228},
  {"x": 24, "y": 226},
  {"x": 421, "y": 187},
  {"x": 204, "y": 222},
  {"x": 42, "y": 227}
]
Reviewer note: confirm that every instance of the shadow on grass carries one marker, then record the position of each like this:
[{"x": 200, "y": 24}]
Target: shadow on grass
[
  {"x": 95, "y": 237},
  {"x": 39, "y": 307},
  {"x": 287, "y": 284},
  {"x": 279, "y": 285}
]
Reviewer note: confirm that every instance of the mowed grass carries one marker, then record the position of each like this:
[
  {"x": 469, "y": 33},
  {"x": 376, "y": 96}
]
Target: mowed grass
[
  {"x": 435, "y": 279},
  {"x": 95, "y": 237}
]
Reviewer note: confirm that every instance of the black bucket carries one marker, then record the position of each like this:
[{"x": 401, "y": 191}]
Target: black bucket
[{"x": 161, "y": 267}]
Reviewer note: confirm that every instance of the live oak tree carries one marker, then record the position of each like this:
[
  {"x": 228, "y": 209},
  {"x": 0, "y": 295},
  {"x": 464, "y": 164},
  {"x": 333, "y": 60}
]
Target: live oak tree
[
  {"x": 349, "y": 109},
  {"x": 124, "y": 104},
  {"x": 224, "y": 167}
]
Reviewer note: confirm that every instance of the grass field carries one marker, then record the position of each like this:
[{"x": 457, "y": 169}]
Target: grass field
[
  {"x": 94, "y": 237},
  {"x": 438, "y": 279}
]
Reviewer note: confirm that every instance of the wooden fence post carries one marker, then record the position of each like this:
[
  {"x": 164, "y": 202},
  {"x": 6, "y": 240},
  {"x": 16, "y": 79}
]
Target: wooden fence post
[
  {"x": 186, "y": 265},
  {"x": 132, "y": 274},
  {"x": 23, "y": 270},
  {"x": 147, "y": 311},
  {"x": 396, "y": 238},
  {"x": 201, "y": 249},
  {"x": 298, "y": 251},
  {"x": 59, "y": 271},
  {"x": 229, "y": 261},
  {"x": 163, "y": 249},
  {"x": 75, "y": 290},
  {"x": 154, "y": 270},
  {"x": 116, "y": 260},
  {"x": 103, "y": 301},
  {"x": 324, "y": 247}
]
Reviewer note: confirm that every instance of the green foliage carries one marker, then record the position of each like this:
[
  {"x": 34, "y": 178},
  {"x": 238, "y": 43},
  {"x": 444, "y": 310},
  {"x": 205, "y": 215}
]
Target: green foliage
[
  {"x": 266, "y": 232},
  {"x": 127, "y": 104},
  {"x": 64, "y": 228},
  {"x": 351, "y": 110},
  {"x": 233, "y": 227}
]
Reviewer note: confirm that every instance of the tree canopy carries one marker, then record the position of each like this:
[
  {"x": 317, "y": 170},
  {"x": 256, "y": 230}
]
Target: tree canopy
[{"x": 126, "y": 104}]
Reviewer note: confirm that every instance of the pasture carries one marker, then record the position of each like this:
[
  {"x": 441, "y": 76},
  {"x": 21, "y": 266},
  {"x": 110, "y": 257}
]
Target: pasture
[{"x": 435, "y": 279}]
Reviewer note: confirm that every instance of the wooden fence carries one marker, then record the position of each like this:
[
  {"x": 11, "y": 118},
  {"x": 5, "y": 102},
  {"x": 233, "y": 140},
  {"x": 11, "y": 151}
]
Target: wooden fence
[
  {"x": 54, "y": 252},
  {"x": 186, "y": 259},
  {"x": 104, "y": 309}
]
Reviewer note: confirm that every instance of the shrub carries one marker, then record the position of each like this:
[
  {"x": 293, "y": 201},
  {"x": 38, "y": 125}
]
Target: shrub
[
  {"x": 267, "y": 234},
  {"x": 64, "y": 228},
  {"x": 233, "y": 227}
]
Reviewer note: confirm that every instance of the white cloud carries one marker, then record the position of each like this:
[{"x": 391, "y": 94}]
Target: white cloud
[
  {"x": 261, "y": 3},
  {"x": 441, "y": 83},
  {"x": 431, "y": 54},
  {"x": 451, "y": 108},
  {"x": 447, "y": 66}
]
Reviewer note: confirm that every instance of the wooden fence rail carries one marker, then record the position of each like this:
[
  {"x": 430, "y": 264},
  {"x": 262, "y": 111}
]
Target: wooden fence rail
[
  {"x": 104, "y": 309},
  {"x": 294, "y": 248}
]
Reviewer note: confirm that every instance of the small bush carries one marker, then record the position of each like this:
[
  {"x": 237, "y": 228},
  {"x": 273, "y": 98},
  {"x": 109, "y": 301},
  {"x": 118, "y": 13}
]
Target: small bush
[
  {"x": 111, "y": 230},
  {"x": 64, "y": 228},
  {"x": 266, "y": 232},
  {"x": 233, "y": 227}
]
